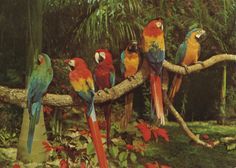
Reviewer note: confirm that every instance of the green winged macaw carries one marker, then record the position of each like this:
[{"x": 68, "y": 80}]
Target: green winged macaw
[
  {"x": 153, "y": 46},
  {"x": 81, "y": 80},
  {"x": 129, "y": 65},
  {"x": 187, "y": 54},
  {"x": 39, "y": 80},
  {"x": 104, "y": 76}
]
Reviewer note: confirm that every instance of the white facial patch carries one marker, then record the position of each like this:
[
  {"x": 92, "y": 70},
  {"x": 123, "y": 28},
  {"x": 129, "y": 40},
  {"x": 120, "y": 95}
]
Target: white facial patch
[
  {"x": 200, "y": 33},
  {"x": 159, "y": 25},
  {"x": 96, "y": 57},
  {"x": 72, "y": 63}
]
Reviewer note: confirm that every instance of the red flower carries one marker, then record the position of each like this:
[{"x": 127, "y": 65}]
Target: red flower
[
  {"x": 160, "y": 132},
  {"x": 129, "y": 147},
  {"x": 151, "y": 165},
  {"x": 82, "y": 165},
  {"x": 47, "y": 146},
  {"x": 145, "y": 130},
  {"x": 59, "y": 148},
  {"x": 16, "y": 165},
  {"x": 64, "y": 164},
  {"x": 47, "y": 109}
]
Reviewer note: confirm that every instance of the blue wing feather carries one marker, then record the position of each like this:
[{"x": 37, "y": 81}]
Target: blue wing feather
[
  {"x": 112, "y": 79},
  {"x": 181, "y": 53},
  {"x": 122, "y": 62}
]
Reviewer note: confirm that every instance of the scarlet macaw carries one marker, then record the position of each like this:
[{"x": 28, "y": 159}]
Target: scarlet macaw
[
  {"x": 82, "y": 81},
  {"x": 130, "y": 60},
  {"x": 105, "y": 78},
  {"x": 187, "y": 54},
  {"x": 39, "y": 80},
  {"x": 154, "y": 51}
]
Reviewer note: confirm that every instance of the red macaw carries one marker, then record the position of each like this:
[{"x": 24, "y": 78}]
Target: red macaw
[
  {"x": 187, "y": 54},
  {"x": 82, "y": 81},
  {"x": 130, "y": 60},
  {"x": 105, "y": 78},
  {"x": 154, "y": 51}
]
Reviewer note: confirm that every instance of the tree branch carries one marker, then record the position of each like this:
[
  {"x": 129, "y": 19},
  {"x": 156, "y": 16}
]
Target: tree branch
[{"x": 18, "y": 96}]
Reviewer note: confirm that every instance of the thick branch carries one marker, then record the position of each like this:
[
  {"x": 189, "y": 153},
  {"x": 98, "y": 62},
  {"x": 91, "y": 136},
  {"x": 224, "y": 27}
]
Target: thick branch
[{"x": 18, "y": 96}]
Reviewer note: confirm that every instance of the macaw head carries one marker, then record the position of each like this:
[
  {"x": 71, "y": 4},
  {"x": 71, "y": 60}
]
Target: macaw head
[
  {"x": 154, "y": 27},
  {"x": 76, "y": 63},
  {"x": 44, "y": 59},
  {"x": 133, "y": 46},
  {"x": 103, "y": 55},
  {"x": 195, "y": 33}
]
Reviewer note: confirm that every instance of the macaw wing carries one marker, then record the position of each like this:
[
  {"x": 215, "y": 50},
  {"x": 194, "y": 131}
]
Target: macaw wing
[
  {"x": 122, "y": 62},
  {"x": 181, "y": 53},
  {"x": 112, "y": 78}
]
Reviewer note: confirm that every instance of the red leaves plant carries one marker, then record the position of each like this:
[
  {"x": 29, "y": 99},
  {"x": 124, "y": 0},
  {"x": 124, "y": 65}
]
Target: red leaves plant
[
  {"x": 16, "y": 165},
  {"x": 144, "y": 128},
  {"x": 146, "y": 131},
  {"x": 48, "y": 147},
  {"x": 64, "y": 163}
]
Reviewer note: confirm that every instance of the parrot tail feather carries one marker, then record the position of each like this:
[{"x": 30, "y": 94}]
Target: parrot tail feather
[
  {"x": 156, "y": 94},
  {"x": 96, "y": 137},
  {"x": 107, "y": 114},
  {"x": 128, "y": 110},
  {"x": 175, "y": 86},
  {"x": 34, "y": 120},
  {"x": 31, "y": 133}
]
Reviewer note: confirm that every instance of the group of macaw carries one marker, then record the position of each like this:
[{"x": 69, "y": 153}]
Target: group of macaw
[{"x": 82, "y": 80}]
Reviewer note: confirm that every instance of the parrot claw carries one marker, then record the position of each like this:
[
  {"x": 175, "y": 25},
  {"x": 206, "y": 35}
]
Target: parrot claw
[
  {"x": 99, "y": 92},
  {"x": 130, "y": 78},
  {"x": 186, "y": 68},
  {"x": 200, "y": 62}
]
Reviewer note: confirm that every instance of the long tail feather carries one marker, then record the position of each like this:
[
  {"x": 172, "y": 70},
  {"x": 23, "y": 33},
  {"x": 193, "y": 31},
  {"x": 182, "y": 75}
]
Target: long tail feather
[
  {"x": 175, "y": 86},
  {"x": 97, "y": 139},
  {"x": 128, "y": 110},
  {"x": 107, "y": 114},
  {"x": 156, "y": 92},
  {"x": 34, "y": 119}
]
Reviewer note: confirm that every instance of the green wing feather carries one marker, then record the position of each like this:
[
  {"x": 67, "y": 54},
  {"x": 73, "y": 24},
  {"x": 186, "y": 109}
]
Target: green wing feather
[{"x": 181, "y": 52}]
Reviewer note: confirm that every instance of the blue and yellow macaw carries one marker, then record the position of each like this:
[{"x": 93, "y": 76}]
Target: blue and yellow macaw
[
  {"x": 39, "y": 80},
  {"x": 154, "y": 51},
  {"x": 129, "y": 65},
  {"x": 187, "y": 54},
  {"x": 82, "y": 81}
]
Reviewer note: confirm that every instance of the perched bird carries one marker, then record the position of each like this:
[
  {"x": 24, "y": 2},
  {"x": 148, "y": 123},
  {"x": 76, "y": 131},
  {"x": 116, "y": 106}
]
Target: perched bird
[
  {"x": 105, "y": 78},
  {"x": 129, "y": 65},
  {"x": 39, "y": 80},
  {"x": 82, "y": 81},
  {"x": 187, "y": 54},
  {"x": 153, "y": 46}
]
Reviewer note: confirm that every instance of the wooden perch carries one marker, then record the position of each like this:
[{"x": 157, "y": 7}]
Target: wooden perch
[{"x": 18, "y": 96}]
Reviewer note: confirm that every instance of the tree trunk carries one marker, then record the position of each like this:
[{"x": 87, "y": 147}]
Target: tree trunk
[
  {"x": 222, "y": 112},
  {"x": 34, "y": 44}
]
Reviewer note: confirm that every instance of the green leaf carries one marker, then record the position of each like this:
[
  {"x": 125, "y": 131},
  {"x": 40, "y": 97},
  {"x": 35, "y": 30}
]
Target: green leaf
[
  {"x": 124, "y": 163},
  {"x": 114, "y": 151},
  {"x": 90, "y": 149},
  {"x": 133, "y": 157},
  {"x": 123, "y": 156}
]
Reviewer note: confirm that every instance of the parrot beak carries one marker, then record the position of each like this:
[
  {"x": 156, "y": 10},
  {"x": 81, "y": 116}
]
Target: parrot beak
[
  {"x": 97, "y": 57},
  {"x": 40, "y": 59}
]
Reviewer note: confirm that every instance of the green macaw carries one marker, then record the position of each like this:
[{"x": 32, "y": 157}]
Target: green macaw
[{"x": 39, "y": 81}]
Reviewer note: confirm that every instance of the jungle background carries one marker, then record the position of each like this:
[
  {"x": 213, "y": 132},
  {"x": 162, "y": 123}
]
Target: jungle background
[{"x": 77, "y": 28}]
